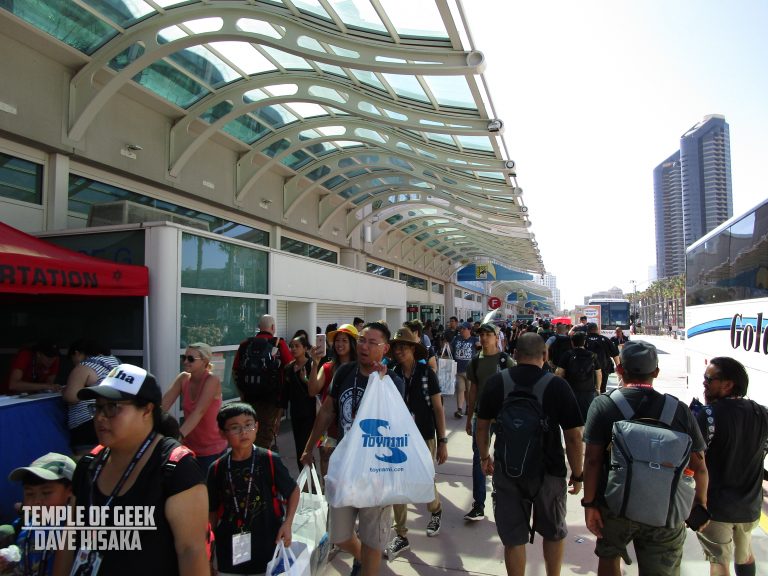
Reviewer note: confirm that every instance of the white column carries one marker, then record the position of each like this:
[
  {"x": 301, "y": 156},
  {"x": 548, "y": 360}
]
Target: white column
[
  {"x": 302, "y": 315},
  {"x": 57, "y": 192},
  {"x": 162, "y": 258}
]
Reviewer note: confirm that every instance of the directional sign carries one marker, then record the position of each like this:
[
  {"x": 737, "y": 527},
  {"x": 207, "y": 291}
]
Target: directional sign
[{"x": 494, "y": 303}]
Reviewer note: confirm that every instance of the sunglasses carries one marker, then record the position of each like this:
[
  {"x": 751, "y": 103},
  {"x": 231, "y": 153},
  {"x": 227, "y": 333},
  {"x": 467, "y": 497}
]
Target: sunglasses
[
  {"x": 190, "y": 359},
  {"x": 108, "y": 409},
  {"x": 709, "y": 379}
]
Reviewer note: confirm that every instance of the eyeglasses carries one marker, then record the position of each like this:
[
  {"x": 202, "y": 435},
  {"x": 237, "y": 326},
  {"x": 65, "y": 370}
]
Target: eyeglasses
[
  {"x": 365, "y": 342},
  {"x": 190, "y": 359},
  {"x": 709, "y": 379},
  {"x": 237, "y": 430},
  {"x": 108, "y": 409}
]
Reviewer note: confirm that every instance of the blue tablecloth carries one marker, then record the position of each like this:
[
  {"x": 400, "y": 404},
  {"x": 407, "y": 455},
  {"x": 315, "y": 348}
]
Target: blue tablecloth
[{"x": 29, "y": 428}]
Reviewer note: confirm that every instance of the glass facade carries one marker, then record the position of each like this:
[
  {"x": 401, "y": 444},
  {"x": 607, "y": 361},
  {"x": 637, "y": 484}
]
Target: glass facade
[
  {"x": 20, "y": 179},
  {"x": 379, "y": 270},
  {"x": 414, "y": 281},
  {"x": 309, "y": 250},
  {"x": 215, "y": 265},
  {"x": 85, "y": 193}
]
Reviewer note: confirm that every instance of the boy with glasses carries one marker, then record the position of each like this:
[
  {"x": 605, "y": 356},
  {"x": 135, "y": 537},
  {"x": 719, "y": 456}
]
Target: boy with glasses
[{"x": 244, "y": 507}]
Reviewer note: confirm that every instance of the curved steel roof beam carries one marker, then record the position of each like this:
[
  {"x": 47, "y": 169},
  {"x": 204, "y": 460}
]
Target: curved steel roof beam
[
  {"x": 294, "y": 36},
  {"x": 317, "y": 90},
  {"x": 294, "y": 195},
  {"x": 386, "y": 190},
  {"x": 432, "y": 153}
]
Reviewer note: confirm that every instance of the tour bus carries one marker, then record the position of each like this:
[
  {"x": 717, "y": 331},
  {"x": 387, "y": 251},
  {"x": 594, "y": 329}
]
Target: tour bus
[
  {"x": 726, "y": 312},
  {"x": 614, "y": 312}
]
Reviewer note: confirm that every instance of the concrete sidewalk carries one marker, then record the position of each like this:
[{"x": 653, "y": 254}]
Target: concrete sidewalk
[{"x": 474, "y": 547}]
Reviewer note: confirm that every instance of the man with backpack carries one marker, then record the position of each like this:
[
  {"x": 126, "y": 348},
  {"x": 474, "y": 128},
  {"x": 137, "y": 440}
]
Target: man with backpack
[
  {"x": 530, "y": 407},
  {"x": 557, "y": 345},
  {"x": 257, "y": 371},
  {"x": 580, "y": 369},
  {"x": 487, "y": 363},
  {"x": 607, "y": 353},
  {"x": 736, "y": 432},
  {"x": 636, "y": 494}
]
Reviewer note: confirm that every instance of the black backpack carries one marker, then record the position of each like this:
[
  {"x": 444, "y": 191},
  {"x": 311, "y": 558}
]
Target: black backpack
[
  {"x": 258, "y": 371},
  {"x": 601, "y": 346},
  {"x": 521, "y": 428},
  {"x": 580, "y": 369},
  {"x": 560, "y": 346}
]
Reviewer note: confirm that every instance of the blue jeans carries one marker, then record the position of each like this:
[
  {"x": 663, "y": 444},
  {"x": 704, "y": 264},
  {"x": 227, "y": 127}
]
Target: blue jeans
[{"x": 478, "y": 478}]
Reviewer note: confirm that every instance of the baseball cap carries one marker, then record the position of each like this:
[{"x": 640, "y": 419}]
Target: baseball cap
[
  {"x": 488, "y": 327},
  {"x": 639, "y": 357},
  {"x": 125, "y": 382},
  {"x": 467, "y": 325},
  {"x": 52, "y": 466}
]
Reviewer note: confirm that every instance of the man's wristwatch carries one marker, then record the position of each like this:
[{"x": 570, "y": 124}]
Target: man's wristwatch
[
  {"x": 585, "y": 504},
  {"x": 442, "y": 440},
  {"x": 577, "y": 478}
]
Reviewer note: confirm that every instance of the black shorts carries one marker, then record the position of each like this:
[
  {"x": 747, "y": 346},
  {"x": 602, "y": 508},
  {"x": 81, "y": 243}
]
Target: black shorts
[{"x": 512, "y": 511}]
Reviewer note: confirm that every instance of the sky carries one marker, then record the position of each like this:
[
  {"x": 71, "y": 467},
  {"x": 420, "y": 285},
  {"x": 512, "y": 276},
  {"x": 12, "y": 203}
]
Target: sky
[{"x": 594, "y": 94}]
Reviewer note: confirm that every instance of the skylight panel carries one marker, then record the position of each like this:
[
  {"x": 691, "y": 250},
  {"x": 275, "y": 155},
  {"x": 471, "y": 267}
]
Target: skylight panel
[
  {"x": 415, "y": 19},
  {"x": 406, "y": 86},
  {"x": 244, "y": 56}
]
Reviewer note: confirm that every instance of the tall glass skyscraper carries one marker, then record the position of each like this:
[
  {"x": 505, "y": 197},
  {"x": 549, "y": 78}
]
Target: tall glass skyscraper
[{"x": 692, "y": 192}]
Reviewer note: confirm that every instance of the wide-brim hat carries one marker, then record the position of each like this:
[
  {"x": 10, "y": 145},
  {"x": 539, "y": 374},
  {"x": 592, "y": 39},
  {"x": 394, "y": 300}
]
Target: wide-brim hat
[
  {"x": 125, "y": 382},
  {"x": 53, "y": 466},
  {"x": 344, "y": 329},
  {"x": 406, "y": 336}
]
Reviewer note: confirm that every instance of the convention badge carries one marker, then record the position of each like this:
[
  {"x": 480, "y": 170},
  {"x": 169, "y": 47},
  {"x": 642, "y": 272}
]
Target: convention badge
[
  {"x": 241, "y": 548},
  {"x": 87, "y": 563}
]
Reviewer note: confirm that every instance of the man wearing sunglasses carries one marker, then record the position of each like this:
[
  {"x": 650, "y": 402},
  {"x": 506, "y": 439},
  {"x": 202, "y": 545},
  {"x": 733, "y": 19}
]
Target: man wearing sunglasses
[{"x": 736, "y": 432}]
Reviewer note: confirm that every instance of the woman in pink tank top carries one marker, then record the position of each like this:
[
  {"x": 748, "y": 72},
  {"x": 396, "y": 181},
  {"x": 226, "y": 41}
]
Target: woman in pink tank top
[{"x": 200, "y": 392}]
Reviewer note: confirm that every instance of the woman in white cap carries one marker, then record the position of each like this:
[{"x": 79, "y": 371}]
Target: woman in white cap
[
  {"x": 201, "y": 398},
  {"x": 136, "y": 468}
]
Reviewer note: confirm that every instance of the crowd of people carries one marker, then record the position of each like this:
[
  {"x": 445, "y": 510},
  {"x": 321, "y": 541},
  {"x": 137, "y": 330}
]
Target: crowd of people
[{"x": 536, "y": 406}]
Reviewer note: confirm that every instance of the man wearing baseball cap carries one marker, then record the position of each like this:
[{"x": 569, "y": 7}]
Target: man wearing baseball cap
[
  {"x": 659, "y": 550},
  {"x": 463, "y": 348}
]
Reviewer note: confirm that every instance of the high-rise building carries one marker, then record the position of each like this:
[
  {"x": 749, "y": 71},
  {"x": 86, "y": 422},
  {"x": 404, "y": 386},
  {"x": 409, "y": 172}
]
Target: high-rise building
[
  {"x": 668, "y": 201},
  {"x": 692, "y": 192},
  {"x": 550, "y": 281}
]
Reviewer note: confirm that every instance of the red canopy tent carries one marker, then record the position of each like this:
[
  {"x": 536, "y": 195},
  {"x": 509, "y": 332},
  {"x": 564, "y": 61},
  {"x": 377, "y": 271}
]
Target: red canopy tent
[{"x": 29, "y": 265}]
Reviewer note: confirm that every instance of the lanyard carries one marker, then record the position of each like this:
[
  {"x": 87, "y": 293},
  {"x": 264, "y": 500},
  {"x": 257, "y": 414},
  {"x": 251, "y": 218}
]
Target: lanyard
[
  {"x": 241, "y": 522},
  {"x": 41, "y": 567},
  {"x": 128, "y": 470}
]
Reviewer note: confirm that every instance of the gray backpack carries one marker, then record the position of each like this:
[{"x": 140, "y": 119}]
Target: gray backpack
[{"x": 647, "y": 477}]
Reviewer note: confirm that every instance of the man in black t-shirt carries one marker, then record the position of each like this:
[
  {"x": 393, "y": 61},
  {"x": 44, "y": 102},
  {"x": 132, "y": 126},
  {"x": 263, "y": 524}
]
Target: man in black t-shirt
[
  {"x": 736, "y": 432},
  {"x": 512, "y": 510},
  {"x": 659, "y": 550},
  {"x": 347, "y": 388},
  {"x": 607, "y": 353}
]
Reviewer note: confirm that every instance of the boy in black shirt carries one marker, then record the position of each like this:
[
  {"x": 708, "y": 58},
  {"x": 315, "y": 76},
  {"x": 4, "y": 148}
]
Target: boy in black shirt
[{"x": 246, "y": 490}]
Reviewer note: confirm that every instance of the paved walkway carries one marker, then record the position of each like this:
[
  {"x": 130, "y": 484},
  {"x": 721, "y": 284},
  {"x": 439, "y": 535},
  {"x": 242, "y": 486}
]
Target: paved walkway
[{"x": 474, "y": 548}]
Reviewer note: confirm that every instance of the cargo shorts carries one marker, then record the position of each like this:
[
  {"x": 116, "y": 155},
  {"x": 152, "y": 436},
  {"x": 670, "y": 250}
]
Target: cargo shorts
[
  {"x": 723, "y": 542},
  {"x": 659, "y": 550}
]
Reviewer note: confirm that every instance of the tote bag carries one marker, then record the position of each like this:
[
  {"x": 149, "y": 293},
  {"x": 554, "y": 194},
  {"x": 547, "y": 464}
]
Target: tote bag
[
  {"x": 293, "y": 561},
  {"x": 310, "y": 524},
  {"x": 382, "y": 459},
  {"x": 446, "y": 372}
]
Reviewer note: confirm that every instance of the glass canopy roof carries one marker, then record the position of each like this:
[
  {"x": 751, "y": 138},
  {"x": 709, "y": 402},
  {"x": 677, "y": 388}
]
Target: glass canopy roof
[{"x": 377, "y": 104}]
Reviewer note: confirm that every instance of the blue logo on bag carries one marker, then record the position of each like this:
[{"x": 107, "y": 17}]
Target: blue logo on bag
[{"x": 372, "y": 438}]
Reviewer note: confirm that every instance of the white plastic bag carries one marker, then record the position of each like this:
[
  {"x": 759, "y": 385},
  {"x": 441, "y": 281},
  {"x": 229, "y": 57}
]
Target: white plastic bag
[
  {"x": 446, "y": 372},
  {"x": 310, "y": 524},
  {"x": 293, "y": 561},
  {"x": 382, "y": 459}
]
